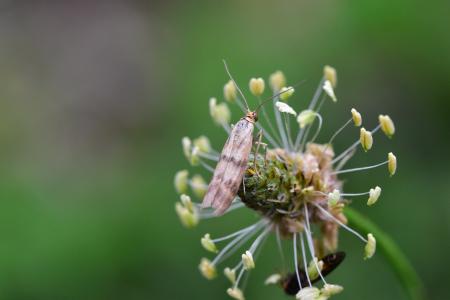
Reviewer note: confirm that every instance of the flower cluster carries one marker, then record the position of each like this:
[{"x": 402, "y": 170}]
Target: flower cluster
[{"x": 291, "y": 181}]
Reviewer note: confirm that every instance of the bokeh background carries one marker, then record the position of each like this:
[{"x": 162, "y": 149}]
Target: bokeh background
[{"x": 96, "y": 95}]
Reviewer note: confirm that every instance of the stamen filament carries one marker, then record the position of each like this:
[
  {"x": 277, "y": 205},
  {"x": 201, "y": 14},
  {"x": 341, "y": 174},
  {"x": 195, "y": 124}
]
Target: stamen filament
[
  {"x": 360, "y": 169},
  {"x": 280, "y": 248},
  {"x": 269, "y": 122},
  {"x": 305, "y": 264},
  {"x": 280, "y": 125},
  {"x": 296, "y": 262},
  {"x": 227, "y": 237},
  {"x": 209, "y": 156},
  {"x": 206, "y": 166},
  {"x": 340, "y": 223},
  {"x": 311, "y": 244},
  {"x": 355, "y": 194}
]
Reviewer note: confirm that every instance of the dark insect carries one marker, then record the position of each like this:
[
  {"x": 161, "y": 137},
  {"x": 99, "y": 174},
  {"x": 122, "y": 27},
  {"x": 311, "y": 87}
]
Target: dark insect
[{"x": 330, "y": 262}]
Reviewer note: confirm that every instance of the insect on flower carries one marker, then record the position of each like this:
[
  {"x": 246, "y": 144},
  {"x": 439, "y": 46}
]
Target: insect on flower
[{"x": 293, "y": 183}]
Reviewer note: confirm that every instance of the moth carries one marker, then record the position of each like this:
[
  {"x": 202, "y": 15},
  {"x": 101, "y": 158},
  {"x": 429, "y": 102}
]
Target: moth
[{"x": 330, "y": 262}]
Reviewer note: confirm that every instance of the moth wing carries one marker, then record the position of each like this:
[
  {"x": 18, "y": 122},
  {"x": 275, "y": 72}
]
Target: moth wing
[{"x": 230, "y": 168}]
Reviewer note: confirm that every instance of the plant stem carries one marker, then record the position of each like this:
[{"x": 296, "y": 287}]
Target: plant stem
[{"x": 393, "y": 254}]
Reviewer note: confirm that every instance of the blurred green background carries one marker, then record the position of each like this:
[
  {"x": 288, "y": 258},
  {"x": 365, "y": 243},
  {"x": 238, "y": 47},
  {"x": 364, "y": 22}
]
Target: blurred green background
[{"x": 96, "y": 95}]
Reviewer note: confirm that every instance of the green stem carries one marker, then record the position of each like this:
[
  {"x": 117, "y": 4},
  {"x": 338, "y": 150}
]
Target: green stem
[{"x": 397, "y": 260}]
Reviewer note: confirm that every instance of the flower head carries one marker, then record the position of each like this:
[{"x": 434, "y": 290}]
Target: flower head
[{"x": 292, "y": 181}]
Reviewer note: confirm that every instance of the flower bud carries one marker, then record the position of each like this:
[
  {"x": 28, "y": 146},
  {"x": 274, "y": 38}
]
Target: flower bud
[
  {"x": 357, "y": 120},
  {"x": 187, "y": 144},
  {"x": 229, "y": 91},
  {"x": 329, "y": 290},
  {"x": 203, "y": 144},
  {"x": 230, "y": 274},
  {"x": 386, "y": 125},
  {"x": 328, "y": 88},
  {"x": 285, "y": 108},
  {"x": 306, "y": 117},
  {"x": 374, "y": 194},
  {"x": 207, "y": 269},
  {"x": 199, "y": 186},
  {"x": 256, "y": 86},
  {"x": 247, "y": 260},
  {"x": 235, "y": 293},
  {"x": 333, "y": 197},
  {"x": 313, "y": 273},
  {"x": 286, "y": 93},
  {"x": 392, "y": 163},
  {"x": 366, "y": 139},
  {"x": 277, "y": 80},
  {"x": 371, "y": 246},
  {"x": 208, "y": 244},
  {"x": 220, "y": 113},
  {"x": 308, "y": 293},
  {"x": 273, "y": 279},
  {"x": 181, "y": 181},
  {"x": 329, "y": 73}
]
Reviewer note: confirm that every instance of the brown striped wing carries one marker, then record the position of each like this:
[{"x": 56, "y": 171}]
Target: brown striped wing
[{"x": 230, "y": 169}]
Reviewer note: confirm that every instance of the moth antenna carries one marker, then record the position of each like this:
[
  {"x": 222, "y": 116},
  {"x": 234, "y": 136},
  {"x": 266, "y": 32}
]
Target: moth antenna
[
  {"x": 278, "y": 94},
  {"x": 235, "y": 84}
]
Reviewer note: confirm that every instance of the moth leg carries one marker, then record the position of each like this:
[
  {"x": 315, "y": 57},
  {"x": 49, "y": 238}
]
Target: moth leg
[{"x": 258, "y": 144}]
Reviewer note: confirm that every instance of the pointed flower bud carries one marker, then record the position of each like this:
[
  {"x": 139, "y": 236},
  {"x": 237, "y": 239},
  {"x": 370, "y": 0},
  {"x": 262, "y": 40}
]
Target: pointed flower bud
[
  {"x": 328, "y": 88},
  {"x": 286, "y": 93},
  {"x": 247, "y": 260},
  {"x": 257, "y": 86},
  {"x": 312, "y": 268},
  {"x": 357, "y": 120},
  {"x": 386, "y": 125},
  {"x": 235, "y": 293},
  {"x": 329, "y": 290},
  {"x": 187, "y": 217},
  {"x": 199, "y": 186},
  {"x": 366, "y": 139},
  {"x": 333, "y": 197},
  {"x": 273, "y": 279},
  {"x": 329, "y": 73},
  {"x": 207, "y": 269},
  {"x": 230, "y": 274},
  {"x": 181, "y": 181},
  {"x": 208, "y": 244},
  {"x": 374, "y": 194},
  {"x": 203, "y": 144},
  {"x": 392, "y": 163},
  {"x": 277, "y": 80},
  {"x": 285, "y": 108},
  {"x": 187, "y": 145},
  {"x": 371, "y": 246},
  {"x": 220, "y": 113},
  {"x": 308, "y": 293},
  {"x": 229, "y": 91},
  {"x": 306, "y": 117}
]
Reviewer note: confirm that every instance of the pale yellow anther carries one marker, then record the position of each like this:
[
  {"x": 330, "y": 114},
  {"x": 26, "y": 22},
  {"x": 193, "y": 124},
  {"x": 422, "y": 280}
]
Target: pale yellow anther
[
  {"x": 203, "y": 144},
  {"x": 333, "y": 197},
  {"x": 273, "y": 279},
  {"x": 229, "y": 91},
  {"x": 257, "y": 86},
  {"x": 230, "y": 274},
  {"x": 371, "y": 246},
  {"x": 187, "y": 202},
  {"x": 199, "y": 186},
  {"x": 313, "y": 273},
  {"x": 187, "y": 146},
  {"x": 330, "y": 74},
  {"x": 207, "y": 269},
  {"x": 277, "y": 80},
  {"x": 286, "y": 93},
  {"x": 247, "y": 260},
  {"x": 306, "y": 117},
  {"x": 392, "y": 163},
  {"x": 329, "y": 290},
  {"x": 188, "y": 218},
  {"x": 366, "y": 139},
  {"x": 235, "y": 293},
  {"x": 374, "y": 194},
  {"x": 208, "y": 243},
  {"x": 386, "y": 125},
  {"x": 356, "y": 116},
  {"x": 285, "y": 108},
  {"x": 181, "y": 181},
  {"x": 220, "y": 113},
  {"x": 328, "y": 88},
  {"x": 194, "y": 159},
  {"x": 308, "y": 293}
]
